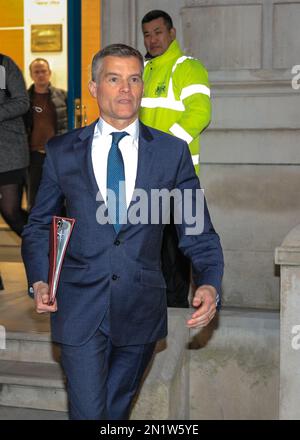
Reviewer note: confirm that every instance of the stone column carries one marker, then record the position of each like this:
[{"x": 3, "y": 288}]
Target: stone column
[
  {"x": 165, "y": 391},
  {"x": 288, "y": 257}
]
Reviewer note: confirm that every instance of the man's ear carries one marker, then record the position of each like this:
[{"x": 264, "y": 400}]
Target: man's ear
[
  {"x": 173, "y": 33},
  {"x": 93, "y": 89}
]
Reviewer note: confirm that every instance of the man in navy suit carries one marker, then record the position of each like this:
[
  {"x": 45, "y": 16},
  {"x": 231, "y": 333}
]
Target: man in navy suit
[{"x": 111, "y": 304}]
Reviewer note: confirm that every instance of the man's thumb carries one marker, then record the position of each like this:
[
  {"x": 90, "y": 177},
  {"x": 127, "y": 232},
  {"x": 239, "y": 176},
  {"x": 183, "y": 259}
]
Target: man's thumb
[
  {"x": 196, "y": 301},
  {"x": 45, "y": 298}
]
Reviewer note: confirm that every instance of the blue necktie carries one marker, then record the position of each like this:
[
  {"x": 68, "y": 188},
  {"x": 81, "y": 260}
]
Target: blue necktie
[{"x": 116, "y": 202}]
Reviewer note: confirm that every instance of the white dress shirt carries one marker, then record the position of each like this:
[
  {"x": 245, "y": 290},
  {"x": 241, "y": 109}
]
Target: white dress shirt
[{"x": 129, "y": 149}]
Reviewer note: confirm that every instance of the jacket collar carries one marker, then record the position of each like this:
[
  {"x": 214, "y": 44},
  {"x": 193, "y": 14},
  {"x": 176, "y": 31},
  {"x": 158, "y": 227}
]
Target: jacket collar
[
  {"x": 172, "y": 53},
  {"x": 88, "y": 132},
  {"x": 51, "y": 88}
]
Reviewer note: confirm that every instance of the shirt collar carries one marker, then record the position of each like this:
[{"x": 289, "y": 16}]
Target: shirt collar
[{"x": 106, "y": 129}]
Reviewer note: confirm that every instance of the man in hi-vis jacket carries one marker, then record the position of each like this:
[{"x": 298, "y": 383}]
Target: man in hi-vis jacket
[{"x": 176, "y": 100}]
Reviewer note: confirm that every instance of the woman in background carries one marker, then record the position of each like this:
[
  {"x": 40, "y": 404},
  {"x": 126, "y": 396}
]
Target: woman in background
[{"x": 14, "y": 155}]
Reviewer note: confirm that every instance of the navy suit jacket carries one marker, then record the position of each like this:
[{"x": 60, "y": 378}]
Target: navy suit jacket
[{"x": 101, "y": 268}]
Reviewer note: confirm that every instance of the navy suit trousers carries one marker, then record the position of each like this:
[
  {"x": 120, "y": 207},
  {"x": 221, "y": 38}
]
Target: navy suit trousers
[{"x": 102, "y": 379}]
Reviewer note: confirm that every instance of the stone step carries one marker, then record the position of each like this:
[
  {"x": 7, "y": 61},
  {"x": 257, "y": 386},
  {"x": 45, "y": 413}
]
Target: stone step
[
  {"x": 32, "y": 385},
  {"x": 30, "y": 347},
  {"x": 10, "y": 254},
  {"x": 8, "y": 237},
  {"x": 12, "y": 413},
  {"x": 30, "y": 376}
]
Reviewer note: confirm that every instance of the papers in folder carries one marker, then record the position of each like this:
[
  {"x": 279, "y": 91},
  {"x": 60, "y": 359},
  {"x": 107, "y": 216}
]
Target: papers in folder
[{"x": 60, "y": 233}]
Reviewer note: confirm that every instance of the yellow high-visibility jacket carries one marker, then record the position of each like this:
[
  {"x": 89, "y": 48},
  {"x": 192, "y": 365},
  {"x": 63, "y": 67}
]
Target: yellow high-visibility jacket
[{"x": 177, "y": 97}]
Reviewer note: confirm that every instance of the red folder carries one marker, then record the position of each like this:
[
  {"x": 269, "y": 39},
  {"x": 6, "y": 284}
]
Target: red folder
[{"x": 60, "y": 233}]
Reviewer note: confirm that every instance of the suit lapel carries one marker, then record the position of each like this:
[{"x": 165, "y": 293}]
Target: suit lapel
[
  {"x": 82, "y": 150},
  {"x": 143, "y": 177}
]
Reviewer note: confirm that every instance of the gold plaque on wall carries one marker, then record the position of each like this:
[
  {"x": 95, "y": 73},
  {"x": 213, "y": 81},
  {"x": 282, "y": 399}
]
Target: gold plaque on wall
[{"x": 46, "y": 37}]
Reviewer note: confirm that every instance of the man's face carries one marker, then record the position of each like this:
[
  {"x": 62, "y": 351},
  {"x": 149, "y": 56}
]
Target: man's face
[
  {"x": 157, "y": 36},
  {"x": 118, "y": 90},
  {"x": 40, "y": 73}
]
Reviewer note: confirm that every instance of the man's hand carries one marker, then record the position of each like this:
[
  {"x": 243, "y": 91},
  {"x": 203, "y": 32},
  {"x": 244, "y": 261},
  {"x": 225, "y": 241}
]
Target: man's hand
[
  {"x": 205, "y": 303},
  {"x": 41, "y": 298}
]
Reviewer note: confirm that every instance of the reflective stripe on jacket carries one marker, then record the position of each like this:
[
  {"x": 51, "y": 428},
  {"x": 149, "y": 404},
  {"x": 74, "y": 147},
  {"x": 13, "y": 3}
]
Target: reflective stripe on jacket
[{"x": 177, "y": 97}]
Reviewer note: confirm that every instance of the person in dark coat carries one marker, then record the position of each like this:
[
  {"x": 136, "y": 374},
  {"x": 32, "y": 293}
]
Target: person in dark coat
[
  {"x": 14, "y": 155},
  {"x": 46, "y": 118}
]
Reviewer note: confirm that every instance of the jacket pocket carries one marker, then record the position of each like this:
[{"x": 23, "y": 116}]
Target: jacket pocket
[
  {"x": 152, "y": 278},
  {"x": 14, "y": 126},
  {"x": 73, "y": 272}
]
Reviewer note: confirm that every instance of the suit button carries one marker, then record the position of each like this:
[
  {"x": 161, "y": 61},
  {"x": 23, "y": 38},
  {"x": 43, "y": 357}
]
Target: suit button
[
  {"x": 117, "y": 243},
  {"x": 114, "y": 277}
]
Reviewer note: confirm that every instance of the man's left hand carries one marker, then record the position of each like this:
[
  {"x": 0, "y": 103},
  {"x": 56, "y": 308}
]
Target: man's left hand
[{"x": 205, "y": 303}]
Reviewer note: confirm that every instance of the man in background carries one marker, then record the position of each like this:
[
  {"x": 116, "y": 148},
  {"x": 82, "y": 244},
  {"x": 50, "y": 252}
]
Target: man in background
[
  {"x": 47, "y": 117},
  {"x": 177, "y": 101}
]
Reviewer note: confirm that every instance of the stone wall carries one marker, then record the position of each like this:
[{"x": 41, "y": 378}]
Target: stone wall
[
  {"x": 249, "y": 154},
  {"x": 234, "y": 371},
  {"x": 250, "y": 160}
]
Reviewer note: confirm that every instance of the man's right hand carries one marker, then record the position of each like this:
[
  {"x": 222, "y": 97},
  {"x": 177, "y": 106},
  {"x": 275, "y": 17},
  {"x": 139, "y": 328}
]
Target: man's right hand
[{"x": 41, "y": 298}]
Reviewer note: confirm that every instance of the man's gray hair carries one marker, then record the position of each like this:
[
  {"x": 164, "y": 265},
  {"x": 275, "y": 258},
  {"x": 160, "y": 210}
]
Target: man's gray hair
[{"x": 114, "y": 50}]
